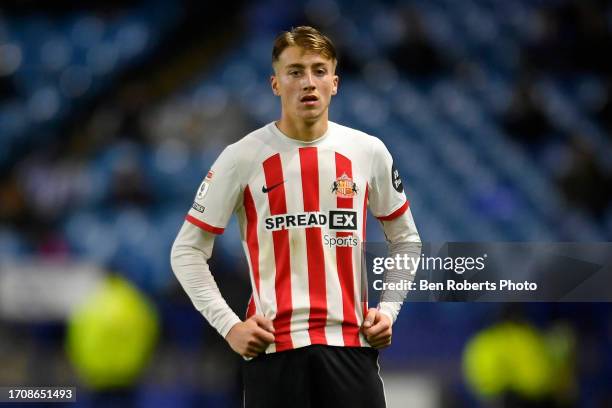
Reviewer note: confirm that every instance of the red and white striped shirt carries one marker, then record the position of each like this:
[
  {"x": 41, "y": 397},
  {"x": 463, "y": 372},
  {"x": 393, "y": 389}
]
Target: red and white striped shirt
[{"x": 301, "y": 207}]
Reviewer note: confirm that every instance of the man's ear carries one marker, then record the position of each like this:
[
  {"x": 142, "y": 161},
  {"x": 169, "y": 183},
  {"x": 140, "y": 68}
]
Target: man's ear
[
  {"x": 335, "y": 85},
  {"x": 274, "y": 85}
]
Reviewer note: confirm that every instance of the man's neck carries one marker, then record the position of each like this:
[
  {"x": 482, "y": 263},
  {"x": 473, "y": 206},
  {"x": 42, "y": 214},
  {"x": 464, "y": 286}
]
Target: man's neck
[{"x": 303, "y": 131}]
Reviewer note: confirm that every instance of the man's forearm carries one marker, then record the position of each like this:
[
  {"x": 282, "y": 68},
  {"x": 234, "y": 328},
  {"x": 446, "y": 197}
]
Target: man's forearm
[
  {"x": 404, "y": 241},
  {"x": 190, "y": 253}
]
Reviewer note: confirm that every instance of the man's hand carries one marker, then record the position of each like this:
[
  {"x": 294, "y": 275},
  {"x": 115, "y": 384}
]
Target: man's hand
[
  {"x": 251, "y": 337},
  {"x": 377, "y": 329}
]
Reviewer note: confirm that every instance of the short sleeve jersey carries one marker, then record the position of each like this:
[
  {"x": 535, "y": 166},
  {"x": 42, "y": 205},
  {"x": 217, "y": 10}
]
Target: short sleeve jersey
[{"x": 301, "y": 208}]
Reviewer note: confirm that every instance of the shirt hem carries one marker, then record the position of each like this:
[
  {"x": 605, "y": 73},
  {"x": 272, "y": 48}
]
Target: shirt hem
[{"x": 284, "y": 346}]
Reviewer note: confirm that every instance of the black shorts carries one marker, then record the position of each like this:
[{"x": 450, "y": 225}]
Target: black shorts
[{"x": 314, "y": 376}]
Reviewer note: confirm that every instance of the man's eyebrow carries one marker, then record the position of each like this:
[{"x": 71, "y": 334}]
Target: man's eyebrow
[{"x": 298, "y": 65}]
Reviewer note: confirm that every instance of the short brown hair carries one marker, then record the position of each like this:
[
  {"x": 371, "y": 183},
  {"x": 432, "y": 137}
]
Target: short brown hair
[{"x": 305, "y": 37}]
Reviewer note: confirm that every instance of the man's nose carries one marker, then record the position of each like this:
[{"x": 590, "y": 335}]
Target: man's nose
[{"x": 308, "y": 83}]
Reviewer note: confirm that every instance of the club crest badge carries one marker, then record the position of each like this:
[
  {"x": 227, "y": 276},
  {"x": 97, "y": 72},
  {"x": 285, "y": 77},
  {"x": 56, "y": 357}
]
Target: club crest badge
[{"x": 344, "y": 187}]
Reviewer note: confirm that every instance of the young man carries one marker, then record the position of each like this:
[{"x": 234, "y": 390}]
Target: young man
[{"x": 300, "y": 188}]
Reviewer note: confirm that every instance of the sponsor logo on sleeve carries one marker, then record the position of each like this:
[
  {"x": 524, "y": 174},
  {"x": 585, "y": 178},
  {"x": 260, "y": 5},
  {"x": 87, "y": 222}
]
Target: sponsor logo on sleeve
[
  {"x": 396, "y": 180},
  {"x": 198, "y": 207}
]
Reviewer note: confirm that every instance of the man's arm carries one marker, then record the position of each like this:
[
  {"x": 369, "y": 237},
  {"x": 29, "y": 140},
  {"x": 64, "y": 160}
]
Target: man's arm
[
  {"x": 189, "y": 259},
  {"x": 403, "y": 238}
]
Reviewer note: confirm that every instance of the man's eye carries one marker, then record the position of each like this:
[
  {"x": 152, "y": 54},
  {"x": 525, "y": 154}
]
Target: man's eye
[
  {"x": 294, "y": 73},
  {"x": 321, "y": 71}
]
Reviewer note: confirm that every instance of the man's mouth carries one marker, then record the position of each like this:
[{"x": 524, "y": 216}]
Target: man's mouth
[{"x": 309, "y": 100}]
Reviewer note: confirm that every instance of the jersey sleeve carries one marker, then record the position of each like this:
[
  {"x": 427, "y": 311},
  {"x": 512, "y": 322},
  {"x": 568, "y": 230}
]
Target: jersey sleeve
[
  {"x": 387, "y": 199},
  {"x": 217, "y": 195}
]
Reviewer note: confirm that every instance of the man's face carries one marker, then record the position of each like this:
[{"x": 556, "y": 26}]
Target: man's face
[{"x": 305, "y": 81}]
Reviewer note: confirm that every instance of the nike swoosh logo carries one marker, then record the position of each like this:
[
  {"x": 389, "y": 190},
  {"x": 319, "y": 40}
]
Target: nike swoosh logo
[{"x": 265, "y": 189}]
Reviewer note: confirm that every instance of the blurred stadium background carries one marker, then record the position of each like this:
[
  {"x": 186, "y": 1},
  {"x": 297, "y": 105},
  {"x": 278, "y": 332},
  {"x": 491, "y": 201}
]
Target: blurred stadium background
[{"x": 498, "y": 112}]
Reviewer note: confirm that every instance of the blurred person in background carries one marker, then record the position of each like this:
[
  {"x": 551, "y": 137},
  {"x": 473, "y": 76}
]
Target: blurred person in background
[
  {"x": 525, "y": 118},
  {"x": 513, "y": 363},
  {"x": 300, "y": 188},
  {"x": 582, "y": 181}
]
